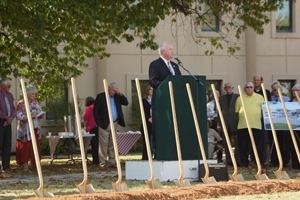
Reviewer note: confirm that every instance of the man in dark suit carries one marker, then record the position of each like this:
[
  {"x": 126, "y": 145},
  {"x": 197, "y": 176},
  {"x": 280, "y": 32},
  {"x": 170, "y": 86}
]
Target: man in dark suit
[
  {"x": 159, "y": 69},
  {"x": 102, "y": 119},
  {"x": 227, "y": 104},
  {"x": 163, "y": 66}
]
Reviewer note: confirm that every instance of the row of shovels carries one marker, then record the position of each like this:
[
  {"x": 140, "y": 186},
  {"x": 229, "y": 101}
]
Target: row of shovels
[
  {"x": 83, "y": 187},
  {"x": 280, "y": 174}
]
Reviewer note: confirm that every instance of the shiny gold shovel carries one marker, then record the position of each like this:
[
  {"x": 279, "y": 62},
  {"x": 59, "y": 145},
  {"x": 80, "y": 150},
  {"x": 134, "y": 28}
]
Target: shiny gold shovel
[
  {"x": 118, "y": 186},
  {"x": 40, "y": 192},
  {"x": 282, "y": 175},
  {"x": 289, "y": 124},
  {"x": 82, "y": 187},
  {"x": 259, "y": 175},
  {"x": 235, "y": 176},
  {"x": 180, "y": 182},
  {"x": 152, "y": 184},
  {"x": 206, "y": 179}
]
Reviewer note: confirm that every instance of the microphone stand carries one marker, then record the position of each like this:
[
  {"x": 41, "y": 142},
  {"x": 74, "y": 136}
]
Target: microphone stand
[{"x": 197, "y": 79}]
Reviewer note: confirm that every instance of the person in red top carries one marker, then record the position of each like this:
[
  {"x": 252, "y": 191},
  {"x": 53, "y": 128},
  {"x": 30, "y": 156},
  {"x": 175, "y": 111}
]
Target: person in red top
[{"x": 91, "y": 127}]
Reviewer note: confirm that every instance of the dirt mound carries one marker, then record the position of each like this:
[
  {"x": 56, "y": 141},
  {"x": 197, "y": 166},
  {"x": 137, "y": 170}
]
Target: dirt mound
[{"x": 195, "y": 192}]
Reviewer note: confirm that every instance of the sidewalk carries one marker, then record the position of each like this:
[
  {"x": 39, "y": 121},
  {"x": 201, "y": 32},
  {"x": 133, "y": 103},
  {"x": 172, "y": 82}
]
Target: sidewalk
[{"x": 32, "y": 179}]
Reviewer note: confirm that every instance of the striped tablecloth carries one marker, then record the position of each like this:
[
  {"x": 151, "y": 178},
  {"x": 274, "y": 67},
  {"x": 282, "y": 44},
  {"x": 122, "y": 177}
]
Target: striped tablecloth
[{"x": 127, "y": 140}]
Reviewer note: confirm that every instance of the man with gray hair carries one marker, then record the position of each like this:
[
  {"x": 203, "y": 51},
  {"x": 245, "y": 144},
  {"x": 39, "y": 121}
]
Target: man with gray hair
[
  {"x": 7, "y": 114},
  {"x": 159, "y": 70},
  {"x": 117, "y": 99},
  {"x": 253, "y": 107}
]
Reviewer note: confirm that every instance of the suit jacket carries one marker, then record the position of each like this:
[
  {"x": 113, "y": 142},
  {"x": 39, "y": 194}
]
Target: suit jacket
[
  {"x": 158, "y": 71},
  {"x": 230, "y": 117},
  {"x": 101, "y": 112},
  {"x": 262, "y": 94}
]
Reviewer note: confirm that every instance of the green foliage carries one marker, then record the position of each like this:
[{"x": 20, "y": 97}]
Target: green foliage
[{"x": 47, "y": 42}]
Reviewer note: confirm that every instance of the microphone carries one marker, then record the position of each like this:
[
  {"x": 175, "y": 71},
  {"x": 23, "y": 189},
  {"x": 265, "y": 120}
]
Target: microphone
[
  {"x": 177, "y": 59},
  {"x": 181, "y": 65}
]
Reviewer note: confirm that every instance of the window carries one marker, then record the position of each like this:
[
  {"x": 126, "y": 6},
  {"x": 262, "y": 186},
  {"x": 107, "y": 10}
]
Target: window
[
  {"x": 286, "y": 87},
  {"x": 211, "y": 20},
  {"x": 284, "y": 22},
  {"x": 217, "y": 83},
  {"x": 58, "y": 106}
]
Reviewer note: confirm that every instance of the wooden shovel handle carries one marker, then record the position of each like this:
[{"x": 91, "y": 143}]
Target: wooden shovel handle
[
  {"x": 250, "y": 134},
  {"x": 113, "y": 133},
  {"x": 273, "y": 128},
  {"x": 176, "y": 131},
  {"x": 198, "y": 132},
  {"x": 235, "y": 169},
  {"x": 79, "y": 130},
  {"x": 32, "y": 134},
  {"x": 289, "y": 124},
  {"x": 138, "y": 88}
]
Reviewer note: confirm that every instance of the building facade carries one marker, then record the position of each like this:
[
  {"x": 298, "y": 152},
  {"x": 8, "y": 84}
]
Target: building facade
[{"x": 275, "y": 55}]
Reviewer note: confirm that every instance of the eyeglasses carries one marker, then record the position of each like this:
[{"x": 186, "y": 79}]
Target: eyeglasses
[
  {"x": 249, "y": 87},
  {"x": 227, "y": 87},
  {"x": 275, "y": 90},
  {"x": 296, "y": 90}
]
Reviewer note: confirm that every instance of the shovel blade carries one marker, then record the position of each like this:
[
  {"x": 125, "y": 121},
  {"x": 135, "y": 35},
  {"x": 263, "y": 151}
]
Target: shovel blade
[
  {"x": 282, "y": 175},
  {"x": 119, "y": 187},
  {"x": 261, "y": 177},
  {"x": 237, "y": 177},
  {"x": 43, "y": 193},
  {"x": 182, "y": 183},
  {"x": 154, "y": 184},
  {"x": 90, "y": 188},
  {"x": 83, "y": 188},
  {"x": 209, "y": 180}
]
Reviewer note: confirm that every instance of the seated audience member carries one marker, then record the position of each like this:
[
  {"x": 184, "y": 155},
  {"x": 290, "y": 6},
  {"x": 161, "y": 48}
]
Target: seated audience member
[{"x": 213, "y": 143}]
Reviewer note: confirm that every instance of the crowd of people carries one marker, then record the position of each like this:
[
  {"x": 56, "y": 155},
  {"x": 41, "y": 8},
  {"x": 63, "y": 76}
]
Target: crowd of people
[
  {"x": 237, "y": 127},
  {"x": 96, "y": 120}
]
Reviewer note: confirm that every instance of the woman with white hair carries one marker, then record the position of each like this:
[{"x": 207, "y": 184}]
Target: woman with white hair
[{"x": 24, "y": 149}]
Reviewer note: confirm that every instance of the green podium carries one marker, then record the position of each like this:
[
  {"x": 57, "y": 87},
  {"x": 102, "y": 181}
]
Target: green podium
[{"x": 164, "y": 126}]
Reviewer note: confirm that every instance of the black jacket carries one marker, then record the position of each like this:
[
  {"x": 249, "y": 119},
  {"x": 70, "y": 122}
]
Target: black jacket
[{"x": 101, "y": 111}]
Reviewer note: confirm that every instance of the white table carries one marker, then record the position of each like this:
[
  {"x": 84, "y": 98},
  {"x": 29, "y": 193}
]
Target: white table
[{"x": 53, "y": 141}]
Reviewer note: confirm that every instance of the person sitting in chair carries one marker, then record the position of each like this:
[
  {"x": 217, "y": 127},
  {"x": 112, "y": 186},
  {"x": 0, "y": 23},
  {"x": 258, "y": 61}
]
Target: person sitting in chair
[{"x": 214, "y": 144}]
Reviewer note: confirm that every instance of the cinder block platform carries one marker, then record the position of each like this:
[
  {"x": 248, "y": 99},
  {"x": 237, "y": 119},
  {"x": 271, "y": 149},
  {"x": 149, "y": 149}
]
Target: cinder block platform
[{"x": 163, "y": 170}]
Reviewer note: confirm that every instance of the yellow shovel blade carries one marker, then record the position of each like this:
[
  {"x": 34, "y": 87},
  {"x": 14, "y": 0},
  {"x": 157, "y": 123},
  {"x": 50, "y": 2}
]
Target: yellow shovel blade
[
  {"x": 43, "y": 193},
  {"x": 261, "y": 177},
  {"x": 119, "y": 187},
  {"x": 237, "y": 177},
  {"x": 182, "y": 183},
  {"x": 209, "y": 180},
  {"x": 154, "y": 184},
  {"x": 282, "y": 175}
]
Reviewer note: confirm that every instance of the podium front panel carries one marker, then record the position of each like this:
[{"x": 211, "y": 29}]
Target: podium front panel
[{"x": 164, "y": 127}]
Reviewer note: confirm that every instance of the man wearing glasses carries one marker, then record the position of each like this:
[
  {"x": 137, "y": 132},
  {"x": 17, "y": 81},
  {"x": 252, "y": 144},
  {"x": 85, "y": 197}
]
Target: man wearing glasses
[
  {"x": 253, "y": 106},
  {"x": 7, "y": 114},
  {"x": 227, "y": 104}
]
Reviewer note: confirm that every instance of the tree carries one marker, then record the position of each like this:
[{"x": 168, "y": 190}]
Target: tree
[{"x": 48, "y": 41}]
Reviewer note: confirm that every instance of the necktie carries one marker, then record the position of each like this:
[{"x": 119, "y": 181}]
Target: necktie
[
  {"x": 170, "y": 67},
  {"x": 7, "y": 104}
]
